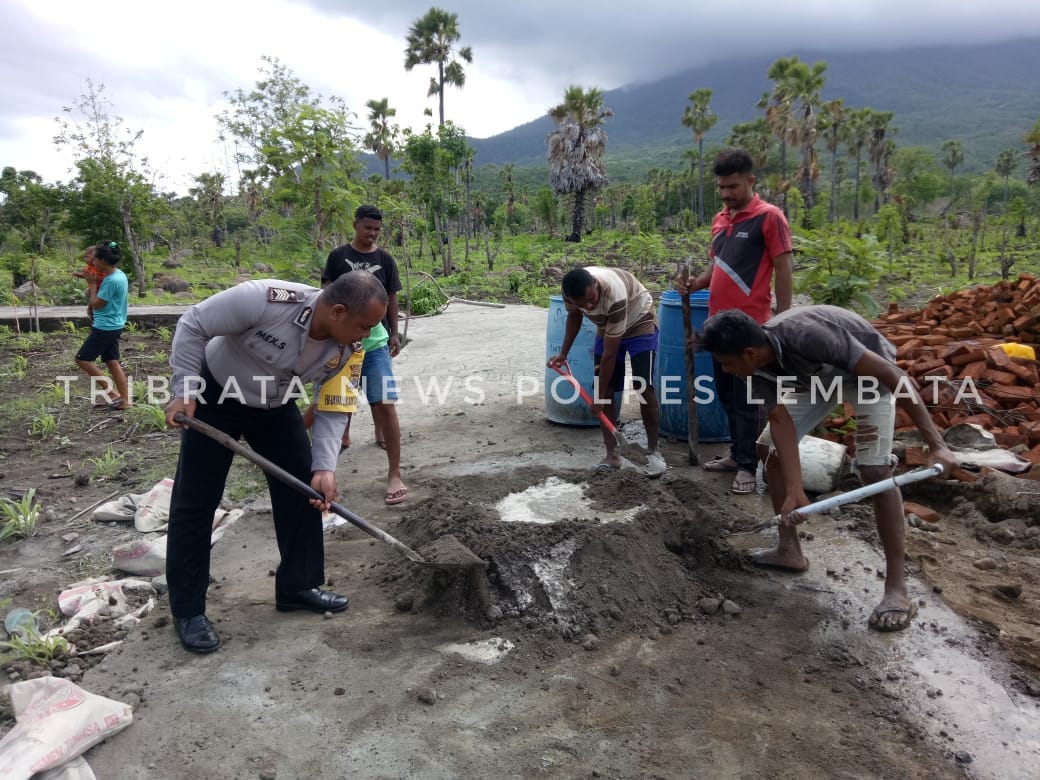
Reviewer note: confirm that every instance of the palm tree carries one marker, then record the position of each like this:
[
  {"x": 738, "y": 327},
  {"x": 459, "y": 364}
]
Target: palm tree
[
  {"x": 833, "y": 122},
  {"x": 857, "y": 135},
  {"x": 1006, "y": 163},
  {"x": 881, "y": 149},
  {"x": 779, "y": 109},
  {"x": 576, "y": 149},
  {"x": 430, "y": 40},
  {"x": 509, "y": 190},
  {"x": 753, "y": 137},
  {"x": 700, "y": 119},
  {"x": 210, "y": 196},
  {"x": 382, "y": 137},
  {"x": 805, "y": 84},
  {"x": 953, "y": 156}
]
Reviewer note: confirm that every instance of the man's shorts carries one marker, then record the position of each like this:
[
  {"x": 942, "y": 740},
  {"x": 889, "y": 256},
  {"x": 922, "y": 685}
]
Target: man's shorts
[
  {"x": 100, "y": 343},
  {"x": 377, "y": 376},
  {"x": 642, "y": 352},
  {"x": 875, "y": 420}
]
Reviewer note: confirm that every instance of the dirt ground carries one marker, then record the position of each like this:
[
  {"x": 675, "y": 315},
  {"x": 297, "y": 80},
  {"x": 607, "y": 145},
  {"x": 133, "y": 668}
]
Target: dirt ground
[{"x": 623, "y": 635}]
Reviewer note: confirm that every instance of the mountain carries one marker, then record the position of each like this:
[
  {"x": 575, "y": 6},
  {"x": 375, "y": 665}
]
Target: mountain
[{"x": 985, "y": 96}]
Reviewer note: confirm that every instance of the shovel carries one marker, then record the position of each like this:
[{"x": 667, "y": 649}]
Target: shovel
[
  {"x": 850, "y": 496},
  {"x": 633, "y": 452},
  {"x": 455, "y": 554},
  {"x": 692, "y": 433}
]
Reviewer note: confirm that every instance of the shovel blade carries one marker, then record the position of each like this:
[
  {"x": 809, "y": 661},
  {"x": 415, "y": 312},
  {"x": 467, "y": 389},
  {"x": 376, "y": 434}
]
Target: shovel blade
[{"x": 449, "y": 553}]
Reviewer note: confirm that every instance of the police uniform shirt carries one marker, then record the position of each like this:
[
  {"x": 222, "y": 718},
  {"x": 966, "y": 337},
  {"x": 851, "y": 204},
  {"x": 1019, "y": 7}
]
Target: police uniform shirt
[{"x": 252, "y": 337}]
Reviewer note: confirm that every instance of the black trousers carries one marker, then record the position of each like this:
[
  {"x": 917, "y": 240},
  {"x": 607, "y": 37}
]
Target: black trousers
[
  {"x": 277, "y": 434},
  {"x": 746, "y": 421}
]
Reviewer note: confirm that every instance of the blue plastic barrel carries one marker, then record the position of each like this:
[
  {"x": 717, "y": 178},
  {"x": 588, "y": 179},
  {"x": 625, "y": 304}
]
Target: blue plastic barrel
[
  {"x": 670, "y": 372},
  {"x": 562, "y": 403}
]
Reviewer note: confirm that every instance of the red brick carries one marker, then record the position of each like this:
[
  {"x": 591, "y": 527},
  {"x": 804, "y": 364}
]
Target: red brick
[
  {"x": 967, "y": 357},
  {"x": 1000, "y": 377},
  {"x": 927, "y": 514},
  {"x": 924, "y": 365},
  {"x": 973, "y": 370},
  {"x": 915, "y": 456}
]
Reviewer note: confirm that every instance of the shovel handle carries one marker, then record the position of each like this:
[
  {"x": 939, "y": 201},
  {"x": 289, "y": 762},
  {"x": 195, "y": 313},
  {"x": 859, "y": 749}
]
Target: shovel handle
[
  {"x": 278, "y": 472},
  {"x": 565, "y": 372},
  {"x": 872, "y": 489}
]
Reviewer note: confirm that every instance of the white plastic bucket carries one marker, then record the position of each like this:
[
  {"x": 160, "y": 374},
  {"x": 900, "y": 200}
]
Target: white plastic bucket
[{"x": 821, "y": 463}]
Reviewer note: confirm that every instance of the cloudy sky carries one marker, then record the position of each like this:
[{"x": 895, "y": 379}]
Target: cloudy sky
[{"x": 165, "y": 66}]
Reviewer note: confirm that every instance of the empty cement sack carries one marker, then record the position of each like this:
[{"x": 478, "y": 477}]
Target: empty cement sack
[
  {"x": 56, "y": 722},
  {"x": 149, "y": 511}
]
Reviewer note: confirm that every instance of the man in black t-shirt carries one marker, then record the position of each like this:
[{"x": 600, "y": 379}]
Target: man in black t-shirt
[{"x": 377, "y": 376}]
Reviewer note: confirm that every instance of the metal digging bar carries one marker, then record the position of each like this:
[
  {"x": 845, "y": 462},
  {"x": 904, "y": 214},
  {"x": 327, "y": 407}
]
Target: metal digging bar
[
  {"x": 462, "y": 556},
  {"x": 856, "y": 494}
]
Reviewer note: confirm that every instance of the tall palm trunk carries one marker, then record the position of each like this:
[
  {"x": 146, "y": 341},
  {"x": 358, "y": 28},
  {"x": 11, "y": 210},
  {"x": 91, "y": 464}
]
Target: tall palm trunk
[
  {"x": 700, "y": 181},
  {"x": 855, "y": 200},
  {"x": 834, "y": 184},
  {"x": 578, "y": 223},
  {"x": 440, "y": 82}
]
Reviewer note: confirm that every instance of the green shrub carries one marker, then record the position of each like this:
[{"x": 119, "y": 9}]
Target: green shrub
[{"x": 424, "y": 299}]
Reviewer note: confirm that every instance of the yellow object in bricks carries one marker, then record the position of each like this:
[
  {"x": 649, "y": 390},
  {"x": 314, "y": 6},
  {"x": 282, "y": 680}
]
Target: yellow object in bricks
[{"x": 1019, "y": 351}]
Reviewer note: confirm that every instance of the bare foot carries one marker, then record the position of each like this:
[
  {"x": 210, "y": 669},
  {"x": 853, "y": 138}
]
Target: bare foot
[{"x": 780, "y": 559}]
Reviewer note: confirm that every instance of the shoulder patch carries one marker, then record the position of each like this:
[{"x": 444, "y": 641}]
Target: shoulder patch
[
  {"x": 304, "y": 315},
  {"x": 282, "y": 295}
]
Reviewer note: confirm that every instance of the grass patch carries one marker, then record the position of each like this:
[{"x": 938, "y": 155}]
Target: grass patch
[
  {"x": 109, "y": 464},
  {"x": 18, "y": 519}
]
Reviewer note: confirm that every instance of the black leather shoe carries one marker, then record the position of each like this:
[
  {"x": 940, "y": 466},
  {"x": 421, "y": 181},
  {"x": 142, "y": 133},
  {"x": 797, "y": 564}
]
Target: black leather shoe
[
  {"x": 197, "y": 634},
  {"x": 315, "y": 600}
]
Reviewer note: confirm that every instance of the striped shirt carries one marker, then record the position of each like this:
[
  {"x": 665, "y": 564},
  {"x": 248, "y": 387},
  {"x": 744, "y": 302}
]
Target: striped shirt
[{"x": 624, "y": 309}]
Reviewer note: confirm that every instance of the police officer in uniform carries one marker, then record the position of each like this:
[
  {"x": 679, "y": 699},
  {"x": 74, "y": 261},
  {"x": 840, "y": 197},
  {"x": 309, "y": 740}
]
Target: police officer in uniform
[{"x": 240, "y": 359}]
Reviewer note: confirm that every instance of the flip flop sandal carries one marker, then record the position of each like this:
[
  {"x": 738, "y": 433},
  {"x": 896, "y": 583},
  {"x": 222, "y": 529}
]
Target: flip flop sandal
[
  {"x": 875, "y": 618},
  {"x": 605, "y": 467},
  {"x": 719, "y": 463},
  {"x": 395, "y": 496},
  {"x": 742, "y": 487}
]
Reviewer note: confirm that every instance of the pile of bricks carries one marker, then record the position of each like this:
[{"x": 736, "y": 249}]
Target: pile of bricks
[{"x": 951, "y": 348}]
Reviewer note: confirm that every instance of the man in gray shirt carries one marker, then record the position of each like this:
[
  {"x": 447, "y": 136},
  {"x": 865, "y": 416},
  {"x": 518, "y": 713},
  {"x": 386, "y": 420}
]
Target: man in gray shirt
[
  {"x": 240, "y": 359},
  {"x": 803, "y": 362}
]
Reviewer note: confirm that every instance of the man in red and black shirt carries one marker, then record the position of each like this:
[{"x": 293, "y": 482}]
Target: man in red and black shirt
[{"x": 750, "y": 248}]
